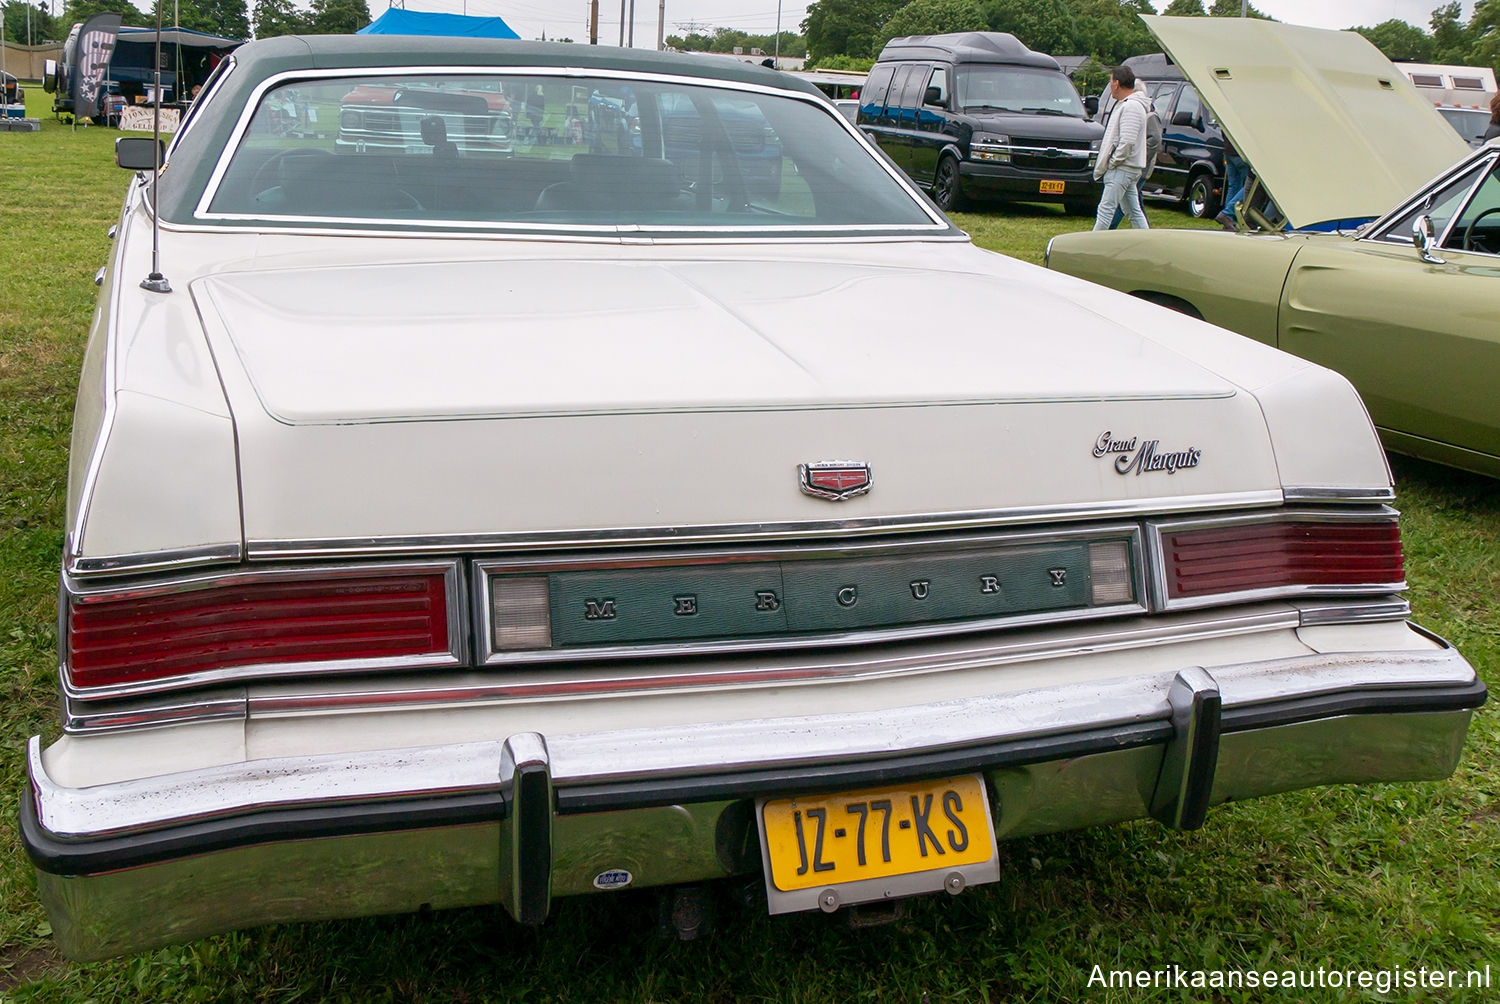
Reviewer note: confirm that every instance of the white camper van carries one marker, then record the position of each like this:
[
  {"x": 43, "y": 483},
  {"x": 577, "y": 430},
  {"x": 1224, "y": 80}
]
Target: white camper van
[{"x": 1461, "y": 94}]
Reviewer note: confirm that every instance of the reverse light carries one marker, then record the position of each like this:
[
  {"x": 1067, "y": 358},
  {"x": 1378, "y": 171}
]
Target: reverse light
[
  {"x": 165, "y": 636},
  {"x": 1110, "y": 580},
  {"x": 521, "y": 613},
  {"x": 1289, "y": 555}
]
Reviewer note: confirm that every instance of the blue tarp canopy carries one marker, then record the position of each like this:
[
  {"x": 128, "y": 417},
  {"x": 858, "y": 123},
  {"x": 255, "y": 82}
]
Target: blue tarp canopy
[{"x": 396, "y": 21}]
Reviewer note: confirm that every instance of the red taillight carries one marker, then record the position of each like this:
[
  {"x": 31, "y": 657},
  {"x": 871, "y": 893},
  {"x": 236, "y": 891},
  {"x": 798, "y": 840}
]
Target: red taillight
[
  {"x": 133, "y": 638},
  {"x": 1273, "y": 555}
]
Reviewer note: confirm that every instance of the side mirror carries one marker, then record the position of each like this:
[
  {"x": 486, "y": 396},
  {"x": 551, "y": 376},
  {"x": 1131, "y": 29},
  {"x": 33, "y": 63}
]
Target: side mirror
[
  {"x": 1091, "y": 105},
  {"x": 932, "y": 96},
  {"x": 1423, "y": 240},
  {"x": 1183, "y": 119},
  {"x": 139, "y": 153},
  {"x": 49, "y": 76}
]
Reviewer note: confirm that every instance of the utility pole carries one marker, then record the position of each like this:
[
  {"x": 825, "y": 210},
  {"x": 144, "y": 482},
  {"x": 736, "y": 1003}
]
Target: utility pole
[
  {"x": 593, "y": 22},
  {"x": 630, "y": 38},
  {"x": 776, "y": 49},
  {"x": 661, "y": 25}
]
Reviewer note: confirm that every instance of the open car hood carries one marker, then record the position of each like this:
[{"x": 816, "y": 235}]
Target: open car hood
[{"x": 1332, "y": 128}]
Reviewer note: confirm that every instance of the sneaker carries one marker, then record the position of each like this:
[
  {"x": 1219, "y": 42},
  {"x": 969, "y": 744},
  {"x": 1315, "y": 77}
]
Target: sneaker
[{"x": 1226, "y": 221}]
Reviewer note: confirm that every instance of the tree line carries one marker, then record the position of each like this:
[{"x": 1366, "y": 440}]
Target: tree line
[
  {"x": 228, "y": 18},
  {"x": 728, "y": 39},
  {"x": 849, "y": 34},
  {"x": 837, "y": 34},
  {"x": 1475, "y": 42}
]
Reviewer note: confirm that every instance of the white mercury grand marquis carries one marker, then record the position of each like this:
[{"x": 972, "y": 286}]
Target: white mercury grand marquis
[{"x": 676, "y": 496}]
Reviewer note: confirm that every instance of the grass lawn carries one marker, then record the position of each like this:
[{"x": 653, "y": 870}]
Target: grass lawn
[{"x": 1341, "y": 878}]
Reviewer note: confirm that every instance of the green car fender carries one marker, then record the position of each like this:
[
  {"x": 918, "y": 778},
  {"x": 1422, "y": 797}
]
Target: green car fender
[{"x": 1232, "y": 280}]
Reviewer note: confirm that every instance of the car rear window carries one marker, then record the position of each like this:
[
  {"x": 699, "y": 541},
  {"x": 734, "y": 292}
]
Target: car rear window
[{"x": 549, "y": 152}]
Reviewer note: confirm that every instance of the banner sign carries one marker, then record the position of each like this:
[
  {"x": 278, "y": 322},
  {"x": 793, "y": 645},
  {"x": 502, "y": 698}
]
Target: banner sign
[{"x": 96, "y": 45}]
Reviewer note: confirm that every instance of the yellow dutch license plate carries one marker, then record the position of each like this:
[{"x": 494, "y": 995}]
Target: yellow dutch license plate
[
  {"x": 1052, "y": 187},
  {"x": 828, "y": 840}
]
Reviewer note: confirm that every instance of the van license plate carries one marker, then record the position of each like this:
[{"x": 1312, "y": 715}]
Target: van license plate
[
  {"x": 1052, "y": 187},
  {"x": 826, "y": 851}
]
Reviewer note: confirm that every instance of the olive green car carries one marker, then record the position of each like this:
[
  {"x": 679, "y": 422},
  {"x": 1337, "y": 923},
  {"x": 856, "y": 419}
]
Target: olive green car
[{"x": 1412, "y": 321}]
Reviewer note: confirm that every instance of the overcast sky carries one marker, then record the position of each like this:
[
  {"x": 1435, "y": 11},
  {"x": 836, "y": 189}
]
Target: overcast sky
[{"x": 569, "y": 18}]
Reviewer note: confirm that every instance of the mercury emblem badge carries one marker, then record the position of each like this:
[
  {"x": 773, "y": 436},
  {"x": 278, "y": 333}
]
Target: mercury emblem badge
[{"x": 835, "y": 480}]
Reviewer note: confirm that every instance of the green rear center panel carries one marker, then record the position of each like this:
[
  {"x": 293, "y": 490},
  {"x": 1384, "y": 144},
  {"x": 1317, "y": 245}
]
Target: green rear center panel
[{"x": 708, "y": 601}]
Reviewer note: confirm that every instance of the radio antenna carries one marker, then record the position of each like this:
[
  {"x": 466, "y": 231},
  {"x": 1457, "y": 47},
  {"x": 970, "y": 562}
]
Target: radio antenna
[{"x": 156, "y": 282}]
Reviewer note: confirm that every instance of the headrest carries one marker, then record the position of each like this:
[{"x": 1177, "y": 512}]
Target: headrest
[{"x": 646, "y": 177}]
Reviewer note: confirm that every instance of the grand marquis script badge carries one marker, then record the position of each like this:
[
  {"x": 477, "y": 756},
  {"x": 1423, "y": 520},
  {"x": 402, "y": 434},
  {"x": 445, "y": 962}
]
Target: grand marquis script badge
[
  {"x": 1140, "y": 456},
  {"x": 835, "y": 480}
]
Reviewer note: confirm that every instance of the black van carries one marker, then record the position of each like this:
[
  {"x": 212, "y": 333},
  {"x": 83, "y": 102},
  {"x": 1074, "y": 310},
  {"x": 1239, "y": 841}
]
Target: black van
[
  {"x": 1190, "y": 166},
  {"x": 977, "y": 115}
]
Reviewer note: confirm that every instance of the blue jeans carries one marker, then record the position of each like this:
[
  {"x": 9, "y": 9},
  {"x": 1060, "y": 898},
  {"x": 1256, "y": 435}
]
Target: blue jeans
[
  {"x": 1120, "y": 190},
  {"x": 1236, "y": 173},
  {"x": 1114, "y": 224}
]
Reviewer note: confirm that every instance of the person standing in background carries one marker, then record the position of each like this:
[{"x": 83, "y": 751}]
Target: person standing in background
[
  {"x": 1122, "y": 153},
  {"x": 1236, "y": 172},
  {"x": 1494, "y": 129},
  {"x": 1153, "y": 127}
]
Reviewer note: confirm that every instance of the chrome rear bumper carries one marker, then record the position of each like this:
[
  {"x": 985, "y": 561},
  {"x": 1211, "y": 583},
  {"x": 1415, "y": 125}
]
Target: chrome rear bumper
[{"x": 131, "y": 865}]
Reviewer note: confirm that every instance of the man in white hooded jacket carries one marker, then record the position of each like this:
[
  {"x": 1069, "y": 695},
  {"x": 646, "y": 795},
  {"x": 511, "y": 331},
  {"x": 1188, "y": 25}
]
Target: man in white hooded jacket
[{"x": 1122, "y": 153}]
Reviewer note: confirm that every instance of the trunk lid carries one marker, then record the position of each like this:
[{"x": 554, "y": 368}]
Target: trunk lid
[{"x": 489, "y": 398}]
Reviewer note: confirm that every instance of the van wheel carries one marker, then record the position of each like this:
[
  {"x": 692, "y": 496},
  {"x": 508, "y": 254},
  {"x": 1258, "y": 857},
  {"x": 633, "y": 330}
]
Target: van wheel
[
  {"x": 1201, "y": 202},
  {"x": 945, "y": 187}
]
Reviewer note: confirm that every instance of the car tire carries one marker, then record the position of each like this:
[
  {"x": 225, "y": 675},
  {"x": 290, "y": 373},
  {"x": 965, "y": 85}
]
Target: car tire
[
  {"x": 1199, "y": 197},
  {"x": 947, "y": 190}
]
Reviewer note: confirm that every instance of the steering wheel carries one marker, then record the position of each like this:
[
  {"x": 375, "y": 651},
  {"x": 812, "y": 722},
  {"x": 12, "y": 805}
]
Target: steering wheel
[
  {"x": 1469, "y": 243},
  {"x": 272, "y": 174}
]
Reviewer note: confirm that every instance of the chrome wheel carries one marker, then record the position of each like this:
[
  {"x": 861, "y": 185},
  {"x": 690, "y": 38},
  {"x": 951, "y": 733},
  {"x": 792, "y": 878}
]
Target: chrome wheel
[{"x": 1200, "y": 197}]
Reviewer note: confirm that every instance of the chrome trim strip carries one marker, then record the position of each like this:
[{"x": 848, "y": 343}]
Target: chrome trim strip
[
  {"x": 554, "y": 230},
  {"x": 329, "y": 696},
  {"x": 1060, "y": 151},
  {"x": 1158, "y": 565},
  {"x": 73, "y": 543},
  {"x": 665, "y": 752},
  {"x": 939, "y": 223},
  {"x": 1320, "y": 612},
  {"x": 200, "y": 102},
  {"x": 187, "y": 557},
  {"x": 455, "y": 600},
  {"x": 80, "y": 717},
  {"x": 1312, "y": 494},
  {"x": 744, "y": 238},
  {"x": 788, "y": 531},
  {"x": 748, "y": 673},
  {"x": 488, "y": 656}
]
